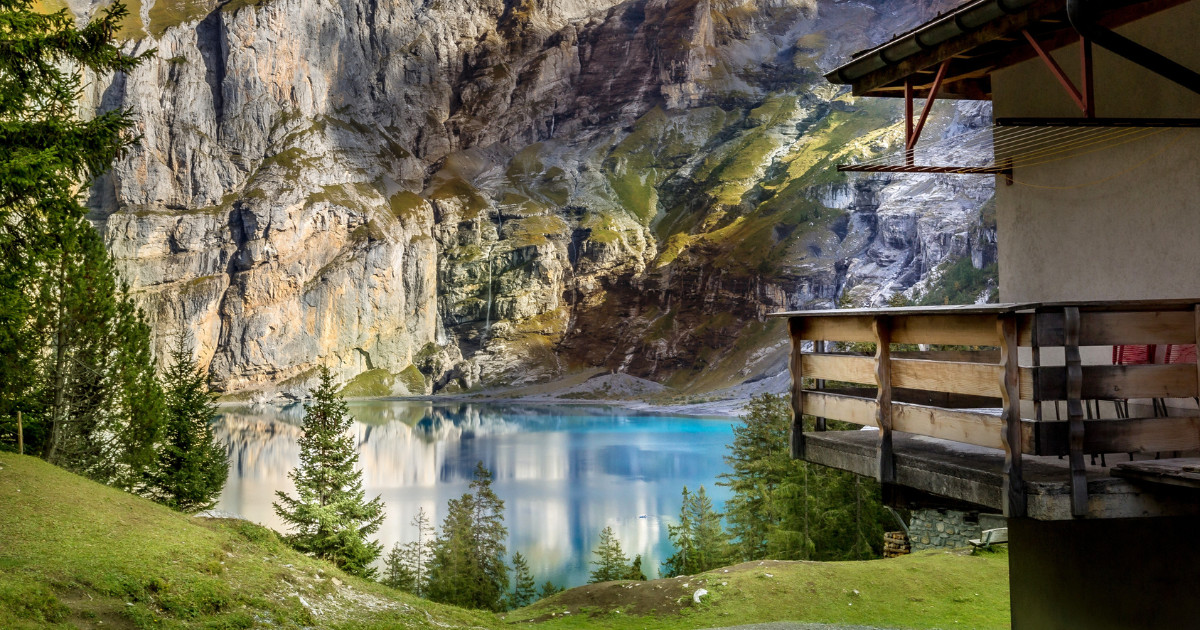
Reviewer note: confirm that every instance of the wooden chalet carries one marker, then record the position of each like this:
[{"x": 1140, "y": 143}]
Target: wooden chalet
[{"x": 1072, "y": 406}]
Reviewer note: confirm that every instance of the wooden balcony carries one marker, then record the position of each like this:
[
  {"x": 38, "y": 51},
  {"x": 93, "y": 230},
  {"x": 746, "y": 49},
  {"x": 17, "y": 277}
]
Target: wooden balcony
[{"x": 1016, "y": 407}]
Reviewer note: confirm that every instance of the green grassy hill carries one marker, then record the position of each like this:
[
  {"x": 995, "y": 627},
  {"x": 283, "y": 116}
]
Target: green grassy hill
[{"x": 74, "y": 553}]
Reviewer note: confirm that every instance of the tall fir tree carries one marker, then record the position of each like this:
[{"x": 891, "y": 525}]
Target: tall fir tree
[
  {"x": 396, "y": 572},
  {"x": 758, "y": 467},
  {"x": 611, "y": 563},
  {"x": 330, "y": 517},
  {"x": 74, "y": 351},
  {"x": 524, "y": 586},
  {"x": 418, "y": 553},
  {"x": 788, "y": 510},
  {"x": 468, "y": 567},
  {"x": 192, "y": 466}
]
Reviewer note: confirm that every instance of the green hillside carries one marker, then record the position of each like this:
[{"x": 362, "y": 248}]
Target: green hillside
[
  {"x": 74, "y": 553},
  {"x": 77, "y": 554}
]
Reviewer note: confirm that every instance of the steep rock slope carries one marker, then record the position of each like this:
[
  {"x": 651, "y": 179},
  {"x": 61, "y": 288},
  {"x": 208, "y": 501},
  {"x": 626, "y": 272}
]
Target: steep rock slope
[{"x": 427, "y": 196}]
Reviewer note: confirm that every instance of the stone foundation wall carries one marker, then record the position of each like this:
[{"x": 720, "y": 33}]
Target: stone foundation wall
[{"x": 942, "y": 529}]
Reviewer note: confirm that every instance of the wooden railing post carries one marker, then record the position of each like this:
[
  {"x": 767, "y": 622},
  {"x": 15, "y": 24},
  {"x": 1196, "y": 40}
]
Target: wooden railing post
[
  {"x": 1010, "y": 394},
  {"x": 883, "y": 397},
  {"x": 1071, "y": 326},
  {"x": 797, "y": 435}
]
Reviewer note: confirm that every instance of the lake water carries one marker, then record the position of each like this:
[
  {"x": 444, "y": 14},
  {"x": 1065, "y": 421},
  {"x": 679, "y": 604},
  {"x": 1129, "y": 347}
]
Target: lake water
[{"x": 564, "y": 471}]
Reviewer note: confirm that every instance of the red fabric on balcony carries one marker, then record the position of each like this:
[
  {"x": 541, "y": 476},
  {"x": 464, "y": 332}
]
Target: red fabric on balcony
[
  {"x": 1181, "y": 353},
  {"x": 1135, "y": 354}
]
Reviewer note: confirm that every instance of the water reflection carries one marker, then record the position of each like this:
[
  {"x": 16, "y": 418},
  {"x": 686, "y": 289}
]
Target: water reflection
[{"x": 564, "y": 472}]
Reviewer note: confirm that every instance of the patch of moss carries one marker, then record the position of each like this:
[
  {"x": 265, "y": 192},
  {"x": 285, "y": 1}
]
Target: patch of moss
[
  {"x": 406, "y": 206},
  {"x": 167, "y": 13},
  {"x": 533, "y": 231}
]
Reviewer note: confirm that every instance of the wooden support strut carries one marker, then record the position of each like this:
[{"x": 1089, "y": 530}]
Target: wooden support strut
[
  {"x": 911, "y": 142},
  {"x": 908, "y": 122},
  {"x": 1085, "y": 71},
  {"x": 1079, "y": 495},
  {"x": 883, "y": 398},
  {"x": 1014, "y": 484},
  {"x": 797, "y": 433},
  {"x": 1058, "y": 73}
]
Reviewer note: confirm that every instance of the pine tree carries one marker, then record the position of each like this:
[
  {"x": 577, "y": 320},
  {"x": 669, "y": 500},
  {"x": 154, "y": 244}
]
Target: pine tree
[
  {"x": 759, "y": 463},
  {"x": 635, "y": 570},
  {"x": 468, "y": 567},
  {"x": 396, "y": 572},
  {"x": 700, "y": 542},
  {"x": 418, "y": 553},
  {"x": 330, "y": 518},
  {"x": 74, "y": 351},
  {"x": 682, "y": 538},
  {"x": 524, "y": 587},
  {"x": 611, "y": 563},
  {"x": 191, "y": 467},
  {"x": 549, "y": 588}
]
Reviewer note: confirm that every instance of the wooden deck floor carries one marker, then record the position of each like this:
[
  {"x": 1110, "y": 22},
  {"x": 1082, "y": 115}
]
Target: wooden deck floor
[{"x": 973, "y": 475}]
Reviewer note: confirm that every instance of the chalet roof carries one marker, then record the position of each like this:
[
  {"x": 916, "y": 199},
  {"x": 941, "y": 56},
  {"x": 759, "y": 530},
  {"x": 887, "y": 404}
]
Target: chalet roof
[{"x": 979, "y": 37}]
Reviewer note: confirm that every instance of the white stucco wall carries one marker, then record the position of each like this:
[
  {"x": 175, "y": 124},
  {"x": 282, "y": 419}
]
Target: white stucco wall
[{"x": 1119, "y": 223}]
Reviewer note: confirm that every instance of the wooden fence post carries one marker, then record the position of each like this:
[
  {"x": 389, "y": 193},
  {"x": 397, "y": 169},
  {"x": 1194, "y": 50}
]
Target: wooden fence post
[
  {"x": 20, "y": 435},
  {"x": 1010, "y": 394},
  {"x": 883, "y": 397},
  {"x": 797, "y": 434},
  {"x": 1075, "y": 429}
]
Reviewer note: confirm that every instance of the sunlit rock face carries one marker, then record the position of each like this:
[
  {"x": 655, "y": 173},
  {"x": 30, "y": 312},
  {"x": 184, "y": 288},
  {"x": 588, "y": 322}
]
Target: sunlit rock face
[{"x": 428, "y": 196}]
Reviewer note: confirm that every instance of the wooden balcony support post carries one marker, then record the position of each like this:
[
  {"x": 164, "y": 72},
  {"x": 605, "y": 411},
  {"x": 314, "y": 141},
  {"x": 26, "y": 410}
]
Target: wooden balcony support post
[
  {"x": 882, "y": 327},
  {"x": 1010, "y": 395},
  {"x": 1071, "y": 326},
  {"x": 797, "y": 435}
]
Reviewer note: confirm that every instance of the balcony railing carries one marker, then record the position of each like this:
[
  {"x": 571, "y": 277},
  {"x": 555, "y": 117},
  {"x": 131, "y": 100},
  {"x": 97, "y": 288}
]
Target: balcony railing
[{"x": 1019, "y": 377}]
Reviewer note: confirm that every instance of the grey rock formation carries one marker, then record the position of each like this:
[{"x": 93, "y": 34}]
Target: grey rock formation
[{"x": 432, "y": 195}]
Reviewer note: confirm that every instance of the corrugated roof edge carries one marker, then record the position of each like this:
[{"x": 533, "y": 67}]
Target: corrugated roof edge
[{"x": 962, "y": 20}]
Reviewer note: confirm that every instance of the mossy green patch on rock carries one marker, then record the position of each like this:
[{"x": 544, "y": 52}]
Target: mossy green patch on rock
[
  {"x": 380, "y": 382},
  {"x": 406, "y": 206}
]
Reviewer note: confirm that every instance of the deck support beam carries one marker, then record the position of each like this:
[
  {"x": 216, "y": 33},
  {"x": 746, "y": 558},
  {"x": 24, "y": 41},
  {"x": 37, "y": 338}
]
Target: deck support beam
[
  {"x": 795, "y": 325},
  {"x": 883, "y": 398},
  {"x": 1010, "y": 395},
  {"x": 1075, "y": 410}
]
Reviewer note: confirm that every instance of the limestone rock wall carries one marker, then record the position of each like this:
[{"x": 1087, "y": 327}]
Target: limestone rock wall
[{"x": 431, "y": 196}]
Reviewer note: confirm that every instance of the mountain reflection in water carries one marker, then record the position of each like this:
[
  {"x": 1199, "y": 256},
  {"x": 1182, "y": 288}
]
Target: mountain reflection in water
[{"x": 563, "y": 471}]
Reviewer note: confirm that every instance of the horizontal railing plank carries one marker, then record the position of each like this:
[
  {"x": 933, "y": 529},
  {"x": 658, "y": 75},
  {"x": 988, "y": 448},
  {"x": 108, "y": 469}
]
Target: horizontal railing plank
[
  {"x": 964, "y": 330},
  {"x": 1113, "y": 328},
  {"x": 971, "y": 427},
  {"x": 1131, "y": 435},
  {"x": 838, "y": 367},
  {"x": 976, "y": 379},
  {"x": 836, "y": 329},
  {"x": 959, "y": 356},
  {"x": 1114, "y": 382},
  {"x": 838, "y": 407}
]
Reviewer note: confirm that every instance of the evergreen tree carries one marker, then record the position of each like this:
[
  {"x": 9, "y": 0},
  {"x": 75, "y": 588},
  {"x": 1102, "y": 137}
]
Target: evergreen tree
[
  {"x": 759, "y": 462},
  {"x": 700, "y": 542},
  {"x": 635, "y": 570},
  {"x": 524, "y": 587},
  {"x": 788, "y": 510},
  {"x": 418, "y": 553},
  {"x": 330, "y": 518},
  {"x": 468, "y": 567},
  {"x": 396, "y": 572},
  {"x": 74, "y": 351},
  {"x": 549, "y": 588},
  {"x": 191, "y": 467},
  {"x": 611, "y": 563}
]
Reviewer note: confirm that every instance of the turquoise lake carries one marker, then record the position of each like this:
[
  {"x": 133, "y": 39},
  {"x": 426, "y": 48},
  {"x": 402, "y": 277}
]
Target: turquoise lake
[{"x": 564, "y": 471}]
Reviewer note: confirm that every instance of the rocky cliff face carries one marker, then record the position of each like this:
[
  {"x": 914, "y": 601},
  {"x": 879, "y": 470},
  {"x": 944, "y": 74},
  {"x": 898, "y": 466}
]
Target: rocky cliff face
[{"x": 427, "y": 196}]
